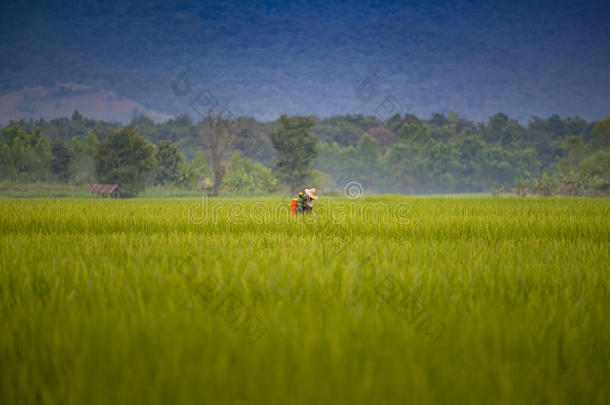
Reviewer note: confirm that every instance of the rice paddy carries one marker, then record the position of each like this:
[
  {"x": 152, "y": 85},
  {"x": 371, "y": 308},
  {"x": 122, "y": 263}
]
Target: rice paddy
[{"x": 386, "y": 299}]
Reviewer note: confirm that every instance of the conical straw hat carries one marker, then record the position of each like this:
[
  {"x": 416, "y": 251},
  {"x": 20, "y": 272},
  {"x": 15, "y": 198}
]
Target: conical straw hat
[{"x": 312, "y": 193}]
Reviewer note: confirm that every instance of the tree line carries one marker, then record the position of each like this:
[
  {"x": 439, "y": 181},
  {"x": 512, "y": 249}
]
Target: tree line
[{"x": 405, "y": 154}]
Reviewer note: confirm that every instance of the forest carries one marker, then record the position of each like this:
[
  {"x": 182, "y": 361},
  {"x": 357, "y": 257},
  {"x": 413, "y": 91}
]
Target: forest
[{"x": 404, "y": 154}]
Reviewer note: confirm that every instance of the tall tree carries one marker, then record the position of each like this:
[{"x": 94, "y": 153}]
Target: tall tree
[
  {"x": 125, "y": 159},
  {"x": 218, "y": 134},
  {"x": 30, "y": 153},
  {"x": 7, "y": 166},
  {"x": 61, "y": 157},
  {"x": 601, "y": 134},
  {"x": 296, "y": 147},
  {"x": 170, "y": 162},
  {"x": 505, "y": 131},
  {"x": 575, "y": 149}
]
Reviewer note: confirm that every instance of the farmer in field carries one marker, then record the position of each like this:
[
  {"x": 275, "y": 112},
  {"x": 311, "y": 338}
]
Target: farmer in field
[
  {"x": 299, "y": 204},
  {"x": 310, "y": 195}
]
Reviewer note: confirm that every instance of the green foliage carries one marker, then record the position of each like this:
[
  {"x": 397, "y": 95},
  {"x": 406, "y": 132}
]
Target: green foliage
[
  {"x": 575, "y": 153},
  {"x": 296, "y": 148},
  {"x": 336, "y": 160},
  {"x": 170, "y": 162},
  {"x": 61, "y": 160},
  {"x": 66, "y": 129},
  {"x": 200, "y": 164},
  {"x": 597, "y": 168},
  {"x": 7, "y": 166},
  {"x": 83, "y": 162},
  {"x": 125, "y": 159},
  {"x": 414, "y": 133},
  {"x": 421, "y": 163},
  {"x": 593, "y": 180},
  {"x": 247, "y": 176},
  {"x": 597, "y": 164},
  {"x": 188, "y": 176},
  {"x": 28, "y": 153},
  {"x": 444, "y": 153},
  {"x": 367, "y": 160},
  {"x": 76, "y": 116},
  {"x": 346, "y": 130},
  {"x": 601, "y": 134},
  {"x": 324, "y": 182},
  {"x": 505, "y": 131},
  {"x": 496, "y": 192},
  {"x": 172, "y": 168},
  {"x": 345, "y": 164}
]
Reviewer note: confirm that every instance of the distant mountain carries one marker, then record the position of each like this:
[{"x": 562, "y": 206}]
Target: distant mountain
[
  {"x": 63, "y": 99},
  {"x": 321, "y": 58}
]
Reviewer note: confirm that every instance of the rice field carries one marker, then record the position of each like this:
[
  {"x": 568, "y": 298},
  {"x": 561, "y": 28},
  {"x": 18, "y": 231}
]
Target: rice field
[{"x": 383, "y": 300}]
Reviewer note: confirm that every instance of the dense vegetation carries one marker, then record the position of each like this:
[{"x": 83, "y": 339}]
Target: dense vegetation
[
  {"x": 451, "y": 300},
  {"x": 405, "y": 154}
]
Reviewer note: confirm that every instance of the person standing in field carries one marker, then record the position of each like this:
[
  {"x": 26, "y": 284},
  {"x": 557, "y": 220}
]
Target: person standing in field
[
  {"x": 300, "y": 204},
  {"x": 310, "y": 195}
]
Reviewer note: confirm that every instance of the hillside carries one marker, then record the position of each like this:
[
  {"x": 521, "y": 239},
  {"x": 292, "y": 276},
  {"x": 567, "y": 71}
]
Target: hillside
[
  {"x": 309, "y": 58},
  {"x": 64, "y": 98}
]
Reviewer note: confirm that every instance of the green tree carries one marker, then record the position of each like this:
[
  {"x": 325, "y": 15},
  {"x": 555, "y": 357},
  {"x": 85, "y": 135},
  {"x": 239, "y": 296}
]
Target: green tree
[
  {"x": 7, "y": 167},
  {"x": 60, "y": 160},
  {"x": 125, "y": 159},
  {"x": 76, "y": 116},
  {"x": 200, "y": 164},
  {"x": 169, "y": 163},
  {"x": 505, "y": 131},
  {"x": 296, "y": 147},
  {"x": 601, "y": 134},
  {"x": 245, "y": 175},
  {"x": 30, "y": 153},
  {"x": 414, "y": 133},
  {"x": 367, "y": 160},
  {"x": 598, "y": 164},
  {"x": 596, "y": 168},
  {"x": 575, "y": 154}
]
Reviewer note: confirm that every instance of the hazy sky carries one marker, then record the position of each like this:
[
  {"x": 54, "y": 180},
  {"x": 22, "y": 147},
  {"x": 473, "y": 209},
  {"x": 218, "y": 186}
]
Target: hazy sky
[{"x": 298, "y": 57}]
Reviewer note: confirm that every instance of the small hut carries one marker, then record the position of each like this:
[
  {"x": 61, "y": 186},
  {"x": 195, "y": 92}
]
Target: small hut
[{"x": 105, "y": 190}]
